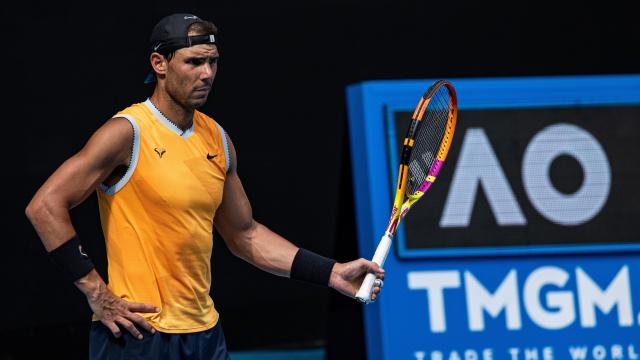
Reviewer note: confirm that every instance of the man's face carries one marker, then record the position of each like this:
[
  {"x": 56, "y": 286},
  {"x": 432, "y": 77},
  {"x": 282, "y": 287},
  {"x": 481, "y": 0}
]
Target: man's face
[{"x": 190, "y": 74}]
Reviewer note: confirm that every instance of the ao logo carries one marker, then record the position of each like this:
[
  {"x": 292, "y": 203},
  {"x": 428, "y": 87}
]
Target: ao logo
[{"x": 478, "y": 165}]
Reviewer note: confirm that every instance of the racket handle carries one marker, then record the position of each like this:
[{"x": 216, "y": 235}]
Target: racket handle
[{"x": 364, "y": 294}]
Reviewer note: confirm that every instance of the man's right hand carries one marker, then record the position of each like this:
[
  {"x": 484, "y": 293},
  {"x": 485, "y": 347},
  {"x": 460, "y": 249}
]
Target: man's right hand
[{"x": 112, "y": 310}]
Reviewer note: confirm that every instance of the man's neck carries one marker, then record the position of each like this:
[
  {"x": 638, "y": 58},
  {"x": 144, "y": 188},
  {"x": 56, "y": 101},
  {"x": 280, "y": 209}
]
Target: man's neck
[{"x": 174, "y": 112}]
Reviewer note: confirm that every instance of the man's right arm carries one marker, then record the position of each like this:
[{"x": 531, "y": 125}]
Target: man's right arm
[{"x": 108, "y": 149}]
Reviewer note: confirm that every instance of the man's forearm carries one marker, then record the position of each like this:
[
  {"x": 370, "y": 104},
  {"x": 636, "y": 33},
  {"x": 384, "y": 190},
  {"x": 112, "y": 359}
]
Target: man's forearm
[
  {"x": 272, "y": 253},
  {"x": 53, "y": 224},
  {"x": 265, "y": 249}
]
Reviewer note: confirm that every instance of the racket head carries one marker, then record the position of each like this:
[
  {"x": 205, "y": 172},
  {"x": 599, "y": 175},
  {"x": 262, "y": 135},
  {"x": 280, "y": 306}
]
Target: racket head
[
  {"x": 425, "y": 147},
  {"x": 433, "y": 127}
]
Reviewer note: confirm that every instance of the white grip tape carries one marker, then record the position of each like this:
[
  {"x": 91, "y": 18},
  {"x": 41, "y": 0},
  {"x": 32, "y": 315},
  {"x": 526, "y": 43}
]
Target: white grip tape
[{"x": 364, "y": 294}]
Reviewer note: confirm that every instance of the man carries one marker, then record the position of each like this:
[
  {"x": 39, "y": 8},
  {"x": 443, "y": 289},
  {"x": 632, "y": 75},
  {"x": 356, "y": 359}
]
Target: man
[{"x": 163, "y": 172}]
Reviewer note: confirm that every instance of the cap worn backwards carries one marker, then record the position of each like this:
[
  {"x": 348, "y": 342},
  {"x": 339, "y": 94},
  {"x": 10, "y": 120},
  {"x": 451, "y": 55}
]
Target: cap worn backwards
[{"x": 171, "y": 34}]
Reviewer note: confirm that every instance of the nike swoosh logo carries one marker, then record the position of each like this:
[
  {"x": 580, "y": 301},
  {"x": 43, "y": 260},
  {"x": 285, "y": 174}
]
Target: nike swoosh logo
[
  {"x": 157, "y": 47},
  {"x": 209, "y": 157},
  {"x": 190, "y": 17}
]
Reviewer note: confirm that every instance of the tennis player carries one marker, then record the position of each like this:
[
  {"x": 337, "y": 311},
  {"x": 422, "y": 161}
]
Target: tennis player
[{"x": 165, "y": 174}]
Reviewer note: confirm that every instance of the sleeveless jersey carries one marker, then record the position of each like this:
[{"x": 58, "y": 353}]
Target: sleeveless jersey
[{"x": 158, "y": 218}]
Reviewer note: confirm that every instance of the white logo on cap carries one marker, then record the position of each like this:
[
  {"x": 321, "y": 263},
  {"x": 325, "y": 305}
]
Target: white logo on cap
[
  {"x": 190, "y": 17},
  {"x": 157, "y": 46}
]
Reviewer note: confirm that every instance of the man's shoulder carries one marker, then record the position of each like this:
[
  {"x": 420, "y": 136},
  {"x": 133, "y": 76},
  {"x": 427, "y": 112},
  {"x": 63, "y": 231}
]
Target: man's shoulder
[
  {"x": 135, "y": 110},
  {"x": 203, "y": 116},
  {"x": 206, "y": 120},
  {"x": 128, "y": 120}
]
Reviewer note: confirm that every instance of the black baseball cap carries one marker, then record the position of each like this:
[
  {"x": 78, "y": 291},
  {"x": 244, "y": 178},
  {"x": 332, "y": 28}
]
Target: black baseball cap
[{"x": 170, "y": 34}]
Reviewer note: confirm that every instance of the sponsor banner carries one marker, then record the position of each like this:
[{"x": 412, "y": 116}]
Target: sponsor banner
[
  {"x": 558, "y": 308},
  {"x": 526, "y": 246}
]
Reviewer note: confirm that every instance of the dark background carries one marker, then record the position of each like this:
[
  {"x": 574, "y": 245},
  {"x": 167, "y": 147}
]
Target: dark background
[{"x": 67, "y": 67}]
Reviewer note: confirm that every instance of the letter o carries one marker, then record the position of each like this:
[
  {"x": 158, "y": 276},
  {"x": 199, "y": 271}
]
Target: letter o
[{"x": 588, "y": 200}]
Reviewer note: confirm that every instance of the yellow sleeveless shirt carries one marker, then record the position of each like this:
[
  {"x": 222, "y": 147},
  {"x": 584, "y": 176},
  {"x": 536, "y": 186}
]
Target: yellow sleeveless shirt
[{"x": 158, "y": 219}]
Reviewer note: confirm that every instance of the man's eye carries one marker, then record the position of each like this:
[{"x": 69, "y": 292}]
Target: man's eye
[{"x": 213, "y": 61}]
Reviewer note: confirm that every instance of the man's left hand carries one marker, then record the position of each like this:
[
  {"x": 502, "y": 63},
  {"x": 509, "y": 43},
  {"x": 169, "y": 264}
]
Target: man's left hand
[{"x": 347, "y": 277}]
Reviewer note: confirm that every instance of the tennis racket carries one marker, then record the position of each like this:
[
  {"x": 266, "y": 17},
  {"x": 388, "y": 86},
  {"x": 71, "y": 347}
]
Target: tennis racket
[{"x": 425, "y": 149}]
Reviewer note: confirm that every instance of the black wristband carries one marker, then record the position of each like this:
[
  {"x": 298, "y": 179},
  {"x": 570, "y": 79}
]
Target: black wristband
[
  {"x": 310, "y": 267},
  {"x": 71, "y": 259}
]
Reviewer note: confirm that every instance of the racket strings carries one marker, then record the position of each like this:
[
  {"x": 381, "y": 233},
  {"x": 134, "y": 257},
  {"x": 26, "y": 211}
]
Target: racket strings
[{"x": 428, "y": 138}]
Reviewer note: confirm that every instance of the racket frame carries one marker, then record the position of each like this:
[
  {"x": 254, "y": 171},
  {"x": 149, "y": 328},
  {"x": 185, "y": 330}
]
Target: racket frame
[{"x": 403, "y": 202}]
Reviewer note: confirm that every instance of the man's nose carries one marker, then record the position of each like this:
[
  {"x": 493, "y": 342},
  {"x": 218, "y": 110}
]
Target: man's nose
[{"x": 209, "y": 71}]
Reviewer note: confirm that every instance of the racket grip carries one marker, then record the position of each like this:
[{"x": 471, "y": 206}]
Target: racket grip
[{"x": 364, "y": 294}]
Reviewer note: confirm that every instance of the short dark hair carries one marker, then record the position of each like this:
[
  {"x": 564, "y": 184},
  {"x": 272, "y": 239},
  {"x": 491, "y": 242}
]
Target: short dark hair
[{"x": 203, "y": 27}]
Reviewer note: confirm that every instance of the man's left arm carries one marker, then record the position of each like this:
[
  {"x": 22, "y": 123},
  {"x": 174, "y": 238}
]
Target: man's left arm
[{"x": 258, "y": 245}]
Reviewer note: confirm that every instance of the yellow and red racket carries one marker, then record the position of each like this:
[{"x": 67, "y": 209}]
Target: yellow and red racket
[{"x": 425, "y": 149}]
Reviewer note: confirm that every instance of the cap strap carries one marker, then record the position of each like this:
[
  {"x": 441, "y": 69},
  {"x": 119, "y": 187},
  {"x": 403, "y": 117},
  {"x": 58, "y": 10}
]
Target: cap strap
[
  {"x": 202, "y": 39},
  {"x": 174, "y": 44}
]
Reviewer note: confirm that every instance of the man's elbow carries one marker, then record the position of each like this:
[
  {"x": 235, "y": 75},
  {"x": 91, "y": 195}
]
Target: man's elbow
[
  {"x": 33, "y": 208},
  {"x": 234, "y": 248},
  {"x": 37, "y": 208},
  {"x": 240, "y": 243}
]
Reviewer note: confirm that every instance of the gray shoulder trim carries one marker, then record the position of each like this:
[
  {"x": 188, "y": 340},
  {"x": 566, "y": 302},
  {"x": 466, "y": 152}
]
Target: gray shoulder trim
[
  {"x": 110, "y": 190},
  {"x": 223, "y": 134}
]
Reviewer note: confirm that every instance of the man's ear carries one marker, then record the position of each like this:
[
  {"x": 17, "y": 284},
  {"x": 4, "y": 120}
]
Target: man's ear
[{"x": 158, "y": 63}]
